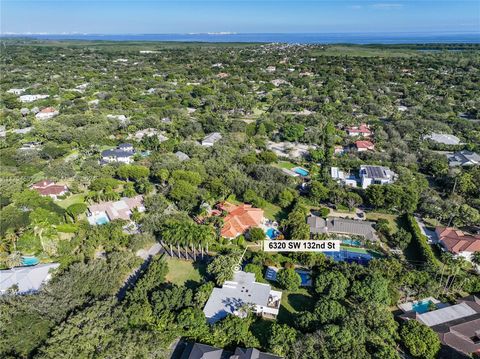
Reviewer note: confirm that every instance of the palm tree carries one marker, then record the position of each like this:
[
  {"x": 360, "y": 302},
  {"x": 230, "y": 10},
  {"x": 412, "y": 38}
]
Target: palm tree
[{"x": 14, "y": 260}]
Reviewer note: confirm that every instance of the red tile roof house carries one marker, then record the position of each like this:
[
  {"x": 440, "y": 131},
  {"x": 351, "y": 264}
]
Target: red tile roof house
[
  {"x": 363, "y": 131},
  {"x": 363, "y": 146},
  {"x": 457, "y": 242},
  {"x": 46, "y": 113},
  {"x": 239, "y": 219},
  {"x": 49, "y": 188}
]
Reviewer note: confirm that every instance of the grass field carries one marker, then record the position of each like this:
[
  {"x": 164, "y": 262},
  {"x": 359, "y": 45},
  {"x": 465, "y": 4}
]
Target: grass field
[
  {"x": 285, "y": 164},
  {"x": 74, "y": 198},
  {"x": 274, "y": 212},
  {"x": 364, "y": 51},
  {"x": 392, "y": 219},
  {"x": 294, "y": 302},
  {"x": 182, "y": 272}
]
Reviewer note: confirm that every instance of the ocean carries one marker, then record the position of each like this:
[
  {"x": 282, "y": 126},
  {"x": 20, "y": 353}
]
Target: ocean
[{"x": 291, "y": 38}]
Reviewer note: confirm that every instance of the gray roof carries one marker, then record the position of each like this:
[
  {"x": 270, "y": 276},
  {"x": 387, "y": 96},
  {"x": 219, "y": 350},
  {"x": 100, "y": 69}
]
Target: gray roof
[
  {"x": 342, "y": 226},
  {"x": 202, "y": 351},
  {"x": 463, "y": 158},
  {"x": 444, "y": 138},
  {"x": 446, "y": 314},
  {"x": 234, "y": 294},
  {"x": 117, "y": 153},
  {"x": 212, "y": 137},
  {"x": 252, "y": 353},
  {"x": 28, "y": 279},
  {"x": 376, "y": 172},
  {"x": 182, "y": 156}
]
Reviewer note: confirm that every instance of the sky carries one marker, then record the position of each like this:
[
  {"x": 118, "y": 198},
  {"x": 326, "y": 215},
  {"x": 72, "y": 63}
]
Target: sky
[{"x": 241, "y": 16}]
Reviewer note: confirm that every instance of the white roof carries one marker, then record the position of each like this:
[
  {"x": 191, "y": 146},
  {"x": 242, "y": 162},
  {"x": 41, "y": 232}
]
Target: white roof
[
  {"x": 28, "y": 279},
  {"x": 447, "y": 314},
  {"x": 233, "y": 294},
  {"x": 444, "y": 138}
]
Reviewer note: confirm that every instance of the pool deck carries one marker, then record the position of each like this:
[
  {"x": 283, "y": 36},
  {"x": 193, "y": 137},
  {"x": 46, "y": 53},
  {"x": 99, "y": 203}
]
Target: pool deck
[{"x": 408, "y": 306}]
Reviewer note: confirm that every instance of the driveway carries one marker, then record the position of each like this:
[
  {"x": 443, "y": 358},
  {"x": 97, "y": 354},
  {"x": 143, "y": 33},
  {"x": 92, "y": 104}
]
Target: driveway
[{"x": 431, "y": 235}]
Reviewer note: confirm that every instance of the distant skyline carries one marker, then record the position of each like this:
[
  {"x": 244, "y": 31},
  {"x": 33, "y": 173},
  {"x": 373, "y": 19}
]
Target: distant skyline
[{"x": 238, "y": 16}]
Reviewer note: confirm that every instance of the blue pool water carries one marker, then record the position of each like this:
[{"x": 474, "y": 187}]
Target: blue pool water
[
  {"x": 349, "y": 257},
  {"x": 101, "y": 220},
  {"x": 352, "y": 242},
  {"x": 272, "y": 233},
  {"x": 301, "y": 171},
  {"x": 30, "y": 261},
  {"x": 421, "y": 307},
  {"x": 306, "y": 278}
]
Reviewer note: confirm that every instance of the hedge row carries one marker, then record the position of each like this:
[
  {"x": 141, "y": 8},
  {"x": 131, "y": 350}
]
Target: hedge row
[{"x": 420, "y": 240}]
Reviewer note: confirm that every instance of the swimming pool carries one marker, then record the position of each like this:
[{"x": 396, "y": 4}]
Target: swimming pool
[
  {"x": 30, "y": 261},
  {"x": 301, "y": 171},
  {"x": 101, "y": 220},
  {"x": 272, "y": 233},
  {"x": 306, "y": 278},
  {"x": 421, "y": 307},
  {"x": 352, "y": 242}
]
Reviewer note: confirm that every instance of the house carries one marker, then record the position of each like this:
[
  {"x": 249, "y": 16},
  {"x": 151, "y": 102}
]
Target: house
[
  {"x": 181, "y": 156},
  {"x": 347, "y": 226},
  {"x": 31, "y": 146},
  {"x": 289, "y": 149},
  {"x": 22, "y": 131},
  {"x": 46, "y": 113},
  {"x": 31, "y": 98},
  {"x": 49, "y": 188},
  {"x": 122, "y": 154},
  {"x": 443, "y": 138},
  {"x": 362, "y": 146},
  {"x": 241, "y": 291},
  {"x": 457, "y": 242},
  {"x": 3, "y": 131},
  {"x": 148, "y": 132},
  {"x": 120, "y": 118},
  {"x": 239, "y": 218},
  {"x": 105, "y": 212},
  {"x": 26, "y": 279},
  {"x": 203, "y": 351},
  {"x": 463, "y": 158},
  {"x": 16, "y": 91},
  {"x": 457, "y": 326},
  {"x": 271, "y": 69},
  {"x": 375, "y": 175},
  {"x": 211, "y": 139},
  {"x": 359, "y": 131},
  {"x": 345, "y": 179}
]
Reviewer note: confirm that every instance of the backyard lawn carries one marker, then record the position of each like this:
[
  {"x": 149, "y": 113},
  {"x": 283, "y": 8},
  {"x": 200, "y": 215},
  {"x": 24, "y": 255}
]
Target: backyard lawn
[
  {"x": 273, "y": 212},
  {"x": 391, "y": 218},
  {"x": 285, "y": 164},
  {"x": 182, "y": 271},
  {"x": 294, "y": 302},
  {"x": 74, "y": 198}
]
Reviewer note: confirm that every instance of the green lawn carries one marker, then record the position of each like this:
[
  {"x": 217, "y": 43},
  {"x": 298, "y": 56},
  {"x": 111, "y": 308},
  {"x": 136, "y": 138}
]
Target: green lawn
[
  {"x": 294, "y": 302},
  {"x": 181, "y": 272},
  {"x": 74, "y": 198},
  {"x": 391, "y": 218},
  {"x": 285, "y": 164},
  {"x": 274, "y": 212}
]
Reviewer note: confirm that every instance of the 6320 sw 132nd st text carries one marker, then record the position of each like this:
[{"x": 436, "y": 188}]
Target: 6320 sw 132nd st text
[{"x": 301, "y": 246}]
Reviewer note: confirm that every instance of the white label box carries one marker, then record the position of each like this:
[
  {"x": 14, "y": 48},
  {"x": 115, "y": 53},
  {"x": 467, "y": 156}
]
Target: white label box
[{"x": 301, "y": 246}]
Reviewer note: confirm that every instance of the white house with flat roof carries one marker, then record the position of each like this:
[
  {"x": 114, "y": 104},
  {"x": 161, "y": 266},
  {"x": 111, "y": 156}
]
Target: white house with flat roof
[
  {"x": 343, "y": 178},
  {"x": 31, "y": 98},
  {"x": 26, "y": 279},
  {"x": 241, "y": 291},
  {"x": 376, "y": 175}
]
